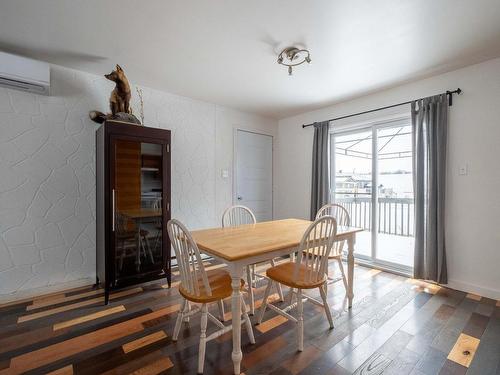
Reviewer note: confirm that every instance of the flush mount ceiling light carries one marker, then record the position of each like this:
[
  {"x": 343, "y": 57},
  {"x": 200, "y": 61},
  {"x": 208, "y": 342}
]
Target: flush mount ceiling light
[{"x": 293, "y": 56}]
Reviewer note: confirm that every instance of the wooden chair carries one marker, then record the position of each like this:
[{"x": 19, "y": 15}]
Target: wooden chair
[
  {"x": 202, "y": 287},
  {"x": 158, "y": 224},
  {"x": 239, "y": 215},
  {"x": 343, "y": 219},
  {"x": 307, "y": 271},
  {"x": 126, "y": 239}
]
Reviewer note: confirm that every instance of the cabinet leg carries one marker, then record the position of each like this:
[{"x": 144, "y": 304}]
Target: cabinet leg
[
  {"x": 169, "y": 278},
  {"x": 106, "y": 296}
]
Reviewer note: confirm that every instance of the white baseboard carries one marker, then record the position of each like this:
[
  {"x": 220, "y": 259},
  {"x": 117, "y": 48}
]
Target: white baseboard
[
  {"x": 36, "y": 292},
  {"x": 475, "y": 289}
]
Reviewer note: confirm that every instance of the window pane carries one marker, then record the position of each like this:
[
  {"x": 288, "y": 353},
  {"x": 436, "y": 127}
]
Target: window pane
[
  {"x": 352, "y": 185},
  {"x": 395, "y": 196}
]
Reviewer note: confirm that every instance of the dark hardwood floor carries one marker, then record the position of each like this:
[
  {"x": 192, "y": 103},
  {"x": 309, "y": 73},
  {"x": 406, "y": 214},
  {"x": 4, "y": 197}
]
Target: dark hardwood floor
[{"x": 396, "y": 326}]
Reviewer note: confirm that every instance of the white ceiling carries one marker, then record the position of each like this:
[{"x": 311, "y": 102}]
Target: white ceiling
[{"x": 224, "y": 51}]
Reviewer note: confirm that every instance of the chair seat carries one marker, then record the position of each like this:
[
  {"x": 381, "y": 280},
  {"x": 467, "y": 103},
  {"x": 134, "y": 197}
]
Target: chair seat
[
  {"x": 331, "y": 256},
  {"x": 336, "y": 256},
  {"x": 283, "y": 273},
  {"x": 220, "y": 283}
]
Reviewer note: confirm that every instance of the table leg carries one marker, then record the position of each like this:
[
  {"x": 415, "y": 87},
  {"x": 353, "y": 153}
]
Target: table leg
[
  {"x": 350, "y": 268},
  {"x": 237, "y": 355}
]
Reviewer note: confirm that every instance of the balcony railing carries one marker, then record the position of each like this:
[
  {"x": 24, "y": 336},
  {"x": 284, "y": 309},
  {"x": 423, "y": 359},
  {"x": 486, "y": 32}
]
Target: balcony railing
[{"x": 395, "y": 214}]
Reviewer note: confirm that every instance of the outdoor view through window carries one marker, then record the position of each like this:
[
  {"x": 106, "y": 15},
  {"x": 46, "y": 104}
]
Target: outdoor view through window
[{"x": 353, "y": 183}]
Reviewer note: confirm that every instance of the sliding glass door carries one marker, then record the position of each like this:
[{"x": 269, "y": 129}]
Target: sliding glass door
[
  {"x": 352, "y": 183},
  {"x": 372, "y": 178},
  {"x": 395, "y": 236}
]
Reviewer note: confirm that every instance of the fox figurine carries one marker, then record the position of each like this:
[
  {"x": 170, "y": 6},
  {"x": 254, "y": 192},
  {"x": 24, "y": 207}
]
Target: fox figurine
[
  {"x": 120, "y": 96},
  {"x": 119, "y": 100}
]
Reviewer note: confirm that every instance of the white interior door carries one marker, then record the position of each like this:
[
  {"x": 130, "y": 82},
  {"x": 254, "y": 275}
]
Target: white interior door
[{"x": 254, "y": 173}]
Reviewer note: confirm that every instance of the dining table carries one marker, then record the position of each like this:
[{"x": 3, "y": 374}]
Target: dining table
[{"x": 248, "y": 244}]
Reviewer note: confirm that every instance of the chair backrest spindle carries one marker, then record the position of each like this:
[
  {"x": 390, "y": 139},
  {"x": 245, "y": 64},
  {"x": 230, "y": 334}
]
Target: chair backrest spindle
[
  {"x": 314, "y": 249},
  {"x": 237, "y": 215},
  {"x": 343, "y": 219},
  {"x": 189, "y": 260},
  {"x": 157, "y": 205}
]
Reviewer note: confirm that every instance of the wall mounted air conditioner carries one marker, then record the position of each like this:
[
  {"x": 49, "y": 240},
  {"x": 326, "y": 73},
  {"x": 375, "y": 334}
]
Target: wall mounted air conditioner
[{"x": 25, "y": 74}]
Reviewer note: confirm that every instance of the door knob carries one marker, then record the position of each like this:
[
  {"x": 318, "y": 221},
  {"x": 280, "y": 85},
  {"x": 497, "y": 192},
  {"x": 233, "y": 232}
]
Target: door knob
[{"x": 240, "y": 197}]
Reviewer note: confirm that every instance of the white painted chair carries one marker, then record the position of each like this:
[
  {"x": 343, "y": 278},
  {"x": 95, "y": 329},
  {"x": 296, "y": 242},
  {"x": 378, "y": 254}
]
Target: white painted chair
[
  {"x": 127, "y": 240},
  {"x": 239, "y": 215},
  {"x": 202, "y": 287},
  {"x": 158, "y": 224},
  {"x": 307, "y": 271},
  {"x": 343, "y": 219}
]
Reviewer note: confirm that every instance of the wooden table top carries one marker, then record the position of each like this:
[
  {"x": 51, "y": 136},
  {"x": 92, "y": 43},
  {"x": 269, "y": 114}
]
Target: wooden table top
[
  {"x": 140, "y": 213},
  {"x": 245, "y": 241}
]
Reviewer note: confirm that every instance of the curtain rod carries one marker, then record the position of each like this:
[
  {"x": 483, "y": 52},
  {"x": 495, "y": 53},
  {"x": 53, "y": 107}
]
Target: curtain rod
[{"x": 450, "y": 101}]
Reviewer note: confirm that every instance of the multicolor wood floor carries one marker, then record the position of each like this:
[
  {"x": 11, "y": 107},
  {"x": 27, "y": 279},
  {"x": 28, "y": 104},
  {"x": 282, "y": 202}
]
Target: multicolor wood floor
[{"x": 396, "y": 326}]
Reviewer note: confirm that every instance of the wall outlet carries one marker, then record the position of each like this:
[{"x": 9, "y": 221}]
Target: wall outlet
[
  {"x": 462, "y": 170},
  {"x": 224, "y": 173}
]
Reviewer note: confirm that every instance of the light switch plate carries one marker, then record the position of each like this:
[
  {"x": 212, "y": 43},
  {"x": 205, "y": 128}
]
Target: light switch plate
[
  {"x": 462, "y": 170},
  {"x": 224, "y": 173}
]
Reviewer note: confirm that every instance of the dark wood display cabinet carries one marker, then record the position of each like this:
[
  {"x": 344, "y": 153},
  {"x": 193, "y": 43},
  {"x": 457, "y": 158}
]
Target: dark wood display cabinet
[{"x": 133, "y": 205}]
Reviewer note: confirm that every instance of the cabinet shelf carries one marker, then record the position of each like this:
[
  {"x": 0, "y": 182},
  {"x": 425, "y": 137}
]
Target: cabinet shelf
[{"x": 146, "y": 169}]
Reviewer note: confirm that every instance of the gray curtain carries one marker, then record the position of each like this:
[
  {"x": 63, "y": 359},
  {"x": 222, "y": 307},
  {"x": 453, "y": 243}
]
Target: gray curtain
[
  {"x": 430, "y": 128},
  {"x": 320, "y": 183}
]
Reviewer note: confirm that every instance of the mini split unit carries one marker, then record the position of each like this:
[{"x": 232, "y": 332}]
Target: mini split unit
[{"x": 24, "y": 74}]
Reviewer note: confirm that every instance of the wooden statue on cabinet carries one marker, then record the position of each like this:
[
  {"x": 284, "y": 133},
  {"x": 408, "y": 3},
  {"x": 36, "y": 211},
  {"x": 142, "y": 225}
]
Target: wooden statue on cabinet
[{"x": 119, "y": 100}]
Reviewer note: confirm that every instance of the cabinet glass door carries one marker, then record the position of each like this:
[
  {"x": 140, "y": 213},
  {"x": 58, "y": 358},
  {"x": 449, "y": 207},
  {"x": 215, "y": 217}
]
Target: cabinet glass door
[{"x": 137, "y": 193}]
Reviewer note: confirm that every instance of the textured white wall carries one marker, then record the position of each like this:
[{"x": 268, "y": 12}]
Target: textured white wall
[
  {"x": 473, "y": 202},
  {"x": 47, "y": 169}
]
